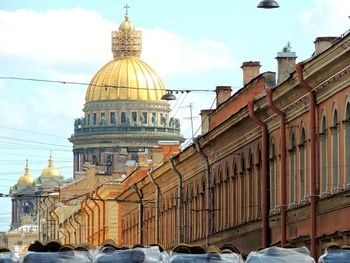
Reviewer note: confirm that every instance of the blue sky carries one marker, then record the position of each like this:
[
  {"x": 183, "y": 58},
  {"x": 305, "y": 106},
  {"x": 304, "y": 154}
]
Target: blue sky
[{"x": 191, "y": 44}]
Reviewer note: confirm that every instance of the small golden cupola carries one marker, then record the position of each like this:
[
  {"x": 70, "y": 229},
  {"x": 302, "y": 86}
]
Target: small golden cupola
[
  {"x": 26, "y": 179},
  {"x": 126, "y": 25},
  {"x": 50, "y": 170}
]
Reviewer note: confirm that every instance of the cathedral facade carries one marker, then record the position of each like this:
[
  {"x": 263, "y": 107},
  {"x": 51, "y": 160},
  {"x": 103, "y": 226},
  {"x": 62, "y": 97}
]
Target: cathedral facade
[
  {"x": 27, "y": 193},
  {"x": 124, "y": 114},
  {"x": 126, "y": 127}
]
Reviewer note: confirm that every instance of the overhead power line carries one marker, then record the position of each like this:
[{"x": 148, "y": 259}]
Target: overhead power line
[
  {"x": 17, "y": 139},
  {"x": 21, "y": 172},
  {"x": 95, "y": 85},
  {"x": 26, "y": 155},
  {"x": 33, "y": 132}
]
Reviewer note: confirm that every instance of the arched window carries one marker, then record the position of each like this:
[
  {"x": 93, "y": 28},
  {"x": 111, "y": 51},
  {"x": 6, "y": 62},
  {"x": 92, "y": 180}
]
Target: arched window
[
  {"x": 335, "y": 150},
  {"x": 123, "y": 117},
  {"x": 214, "y": 207},
  {"x": 243, "y": 190},
  {"x": 190, "y": 213},
  {"x": 196, "y": 213},
  {"x": 251, "y": 185},
  {"x": 185, "y": 215},
  {"x": 219, "y": 193},
  {"x": 302, "y": 166},
  {"x": 323, "y": 155},
  {"x": 28, "y": 208},
  {"x": 109, "y": 163},
  {"x": 234, "y": 193},
  {"x": 227, "y": 199},
  {"x": 95, "y": 160},
  {"x": 347, "y": 145},
  {"x": 203, "y": 210},
  {"x": 259, "y": 184},
  {"x": 292, "y": 154},
  {"x": 273, "y": 160}
]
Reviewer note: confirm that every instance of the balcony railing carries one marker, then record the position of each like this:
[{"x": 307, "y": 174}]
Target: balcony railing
[{"x": 88, "y": 130}]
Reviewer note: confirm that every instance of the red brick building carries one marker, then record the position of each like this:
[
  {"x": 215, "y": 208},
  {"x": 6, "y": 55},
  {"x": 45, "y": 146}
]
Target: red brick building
[{"x": 272, "y": 166}]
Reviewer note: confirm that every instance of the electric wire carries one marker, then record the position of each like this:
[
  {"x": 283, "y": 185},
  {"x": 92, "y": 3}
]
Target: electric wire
[
  {"x": 34, "y": 142},
  {"x": 96, "y": 85},
  {"x": 33, "y": 132}
]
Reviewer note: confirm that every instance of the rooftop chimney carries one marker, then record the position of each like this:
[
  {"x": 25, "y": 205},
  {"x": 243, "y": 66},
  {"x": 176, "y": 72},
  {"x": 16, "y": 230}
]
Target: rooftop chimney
[
  {"x": 251, "y": 69},
  {"x": 157, "y": 155},
  {"x": 322, "y": 43},
  {"x": 286, "y": 64},
  {"x": 205, "y": 120},
  {"x": 142, "y": 158},
  {"x": 222, "y": 94}
]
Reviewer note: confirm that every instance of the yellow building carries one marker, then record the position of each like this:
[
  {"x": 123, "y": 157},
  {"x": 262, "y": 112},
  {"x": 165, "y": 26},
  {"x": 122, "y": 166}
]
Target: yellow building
[{"x": 19, "y": 239}]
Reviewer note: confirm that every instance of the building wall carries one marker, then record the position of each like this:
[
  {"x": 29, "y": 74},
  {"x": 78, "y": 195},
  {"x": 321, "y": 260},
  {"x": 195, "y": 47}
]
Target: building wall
[{"x": 233, "y": 146}]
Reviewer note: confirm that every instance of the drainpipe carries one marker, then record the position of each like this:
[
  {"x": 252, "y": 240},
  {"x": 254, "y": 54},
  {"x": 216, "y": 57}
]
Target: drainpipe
[
  {"x": 88, "y": 221},
  {"x": 76, "y": 221},
  {"x": 150, "y": 175},
  {"x": 39, "y": 222},
  {"x": 58, "y": 223},
  {"x": 92, "y": 221},
  {"x": 47, "y": 219},
  {"x": 54, "y": 227},
  {"x": 264, "y": 167},
  {"x": 283, "y": 167},
  {"x": 209, "y": 197},
  {"x": 179, "y": 200},
  {"x": 103, "y": 214},
  {"x": 52, "y": 230},
  {"x": 66, "y": 228},
  {"x": 70, "y": 219},
  {"x": 312, "y": 101},
  {"x": 98, "y": 218},
  {"x": 140, "y": 230}
]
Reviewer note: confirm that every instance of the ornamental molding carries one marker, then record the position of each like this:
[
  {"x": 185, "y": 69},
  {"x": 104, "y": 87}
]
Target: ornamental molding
[{"x": 138, "y": 104}]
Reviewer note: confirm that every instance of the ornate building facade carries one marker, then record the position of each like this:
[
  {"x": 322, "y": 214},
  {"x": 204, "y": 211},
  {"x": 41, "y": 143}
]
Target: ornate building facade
[
  {"x": 272, "y": 168},
  {"x": 28, "y": 191},
  {"x": 27, "y": 195},
  {"x": 126, "y": 127},
  {"x": 123, "y": 112}
]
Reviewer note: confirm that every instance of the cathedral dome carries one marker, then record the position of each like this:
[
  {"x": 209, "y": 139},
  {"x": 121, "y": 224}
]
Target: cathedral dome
[
  {"x": 127, "y": 78},
  {"x": 26, "y": 179},
  {"x": 127, "y": 25},
  {"x": 50, "y": 170}
]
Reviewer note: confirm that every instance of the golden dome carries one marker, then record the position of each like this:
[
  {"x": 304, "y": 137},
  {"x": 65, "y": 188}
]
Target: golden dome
[
  {"x": 127, "y": 25},
  {"x": 131, "y": 78},
  {"x": 50, "y": 170},
  {"x": 26, "y": 179}
]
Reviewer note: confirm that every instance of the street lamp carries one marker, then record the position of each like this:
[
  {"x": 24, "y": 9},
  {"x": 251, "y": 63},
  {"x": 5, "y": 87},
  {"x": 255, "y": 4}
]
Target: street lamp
[
  {"x": 168, "y": 96},
  {"x": 268, "y": 4}
]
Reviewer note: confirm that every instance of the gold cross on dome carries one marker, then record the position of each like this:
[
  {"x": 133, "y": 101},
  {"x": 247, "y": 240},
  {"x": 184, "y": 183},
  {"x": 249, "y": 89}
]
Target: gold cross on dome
[{"x": 126, "y": 9}]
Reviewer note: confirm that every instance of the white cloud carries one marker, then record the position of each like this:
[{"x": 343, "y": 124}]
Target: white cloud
[
  {"x": 78, "y": 41},
  {"x": 173, "y": 54},
  {"x": 67, "y": 41},
  {"x": 12, "y": 114},
  {"x": 326, "y": 18},
  {"x": 45, "y": 110}
]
